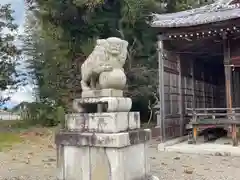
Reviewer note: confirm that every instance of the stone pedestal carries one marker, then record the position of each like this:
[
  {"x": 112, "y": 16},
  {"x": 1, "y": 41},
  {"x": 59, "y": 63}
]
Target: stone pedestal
[{"x": 103, "y": 145}]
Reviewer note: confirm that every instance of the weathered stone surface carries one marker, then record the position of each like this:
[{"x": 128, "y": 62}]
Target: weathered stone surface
[
  {"x": 77, "y": 121},
  {"x": 102, "y": 93},
  {"x": 113, "y": 79},
  {"x": 135, "y": 155},
  {"x": 113, "y": 104},
  {"x": 60, "y": 162},
  {"x": 108, "y": 122},
  {"x": 116, "y": 140},
  {"x": 128, "y": 163},
  {"x": 100, "y": 168},
  {"x": 76, "y": 163},
  {"x": 108, "y": 55},
  {"x": 134, "y": 120},
  {"x": 103, "y": 122},
  {"x": 95, "y": 163}
]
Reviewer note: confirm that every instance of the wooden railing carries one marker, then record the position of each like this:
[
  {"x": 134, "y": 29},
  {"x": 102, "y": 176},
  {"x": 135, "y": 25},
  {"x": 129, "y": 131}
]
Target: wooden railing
[
  {"x": 231, "y": 114},
  {"x": 213, "y": 117}
]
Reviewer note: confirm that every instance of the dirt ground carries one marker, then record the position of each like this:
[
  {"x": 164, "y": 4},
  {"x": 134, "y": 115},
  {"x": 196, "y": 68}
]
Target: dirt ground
[{"x": 35, "y": 159}]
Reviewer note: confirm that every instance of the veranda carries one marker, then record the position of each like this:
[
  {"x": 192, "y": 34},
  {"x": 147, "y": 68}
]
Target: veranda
[{"x": 199, "y": 79}]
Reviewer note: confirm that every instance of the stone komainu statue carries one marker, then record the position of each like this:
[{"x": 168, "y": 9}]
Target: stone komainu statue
[{"x": 104, "y": 66}]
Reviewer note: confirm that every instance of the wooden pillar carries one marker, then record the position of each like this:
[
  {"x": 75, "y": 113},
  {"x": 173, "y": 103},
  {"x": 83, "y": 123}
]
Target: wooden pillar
[
  {"x": 234, "y": 91},
  {"x": 237, "y": 82},
  {"x": 203, "y": 89},
  {"x": 195, "y": 133},
  {"x": 228, "y": 84},
  {"x": 236, "y": 88},
  {"x": 193, "y": 85},
  {"x": 161, "y": 119},
  {"x": 180, "y": 96}
]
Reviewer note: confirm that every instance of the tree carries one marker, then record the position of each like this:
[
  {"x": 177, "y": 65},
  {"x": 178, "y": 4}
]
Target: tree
[
  {"x": 66, "y": 35},
  {"x": 8, "y": 50},
  {"x": 68, "y": 32}
]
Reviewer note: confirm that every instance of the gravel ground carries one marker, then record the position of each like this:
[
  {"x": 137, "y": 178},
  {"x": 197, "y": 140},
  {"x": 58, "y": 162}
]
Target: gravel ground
[
  {"x": 176, "y": 166},
  {"x": 35, "y": 160}
]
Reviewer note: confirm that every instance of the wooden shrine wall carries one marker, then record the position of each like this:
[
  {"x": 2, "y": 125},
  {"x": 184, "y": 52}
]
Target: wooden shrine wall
[
  {"x": 235, "y": 51},
  {"x": 203, "y": 85},
  {"x": 235, "y": 60},
  {"x": 172, "y": 122},
  {"x": 188, "y": 83},
  {"x": 187, "y": 88}
]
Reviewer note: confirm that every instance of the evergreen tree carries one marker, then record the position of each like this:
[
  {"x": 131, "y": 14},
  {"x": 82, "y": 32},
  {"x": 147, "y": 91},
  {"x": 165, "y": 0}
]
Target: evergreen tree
[
  {"x": 66, "y": 33},
  {"x": 8, "y": 50}
]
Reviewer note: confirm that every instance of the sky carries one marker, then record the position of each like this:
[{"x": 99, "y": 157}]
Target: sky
[{"x": 23, "y": 93}]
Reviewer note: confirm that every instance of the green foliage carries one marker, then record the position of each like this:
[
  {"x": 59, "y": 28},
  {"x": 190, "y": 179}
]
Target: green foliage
[
  {"x": 61, "y": 34},
  {"x": 66, "y": 34},
  {"x": 180, "y": 5},
  {"x": 43, "y": 114},
  {"x": 8, "y": 51}
]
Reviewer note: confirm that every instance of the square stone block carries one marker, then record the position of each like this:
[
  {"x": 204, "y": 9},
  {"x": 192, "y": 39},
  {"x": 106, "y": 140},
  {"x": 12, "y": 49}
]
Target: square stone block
[
  {"x": 76, "y": 121},
  {"x": 96, "y": 163},
  {"x": 114, "y": 122},
  {"x": 102, "y": 93},
  {"x": 103, "y": 122}
]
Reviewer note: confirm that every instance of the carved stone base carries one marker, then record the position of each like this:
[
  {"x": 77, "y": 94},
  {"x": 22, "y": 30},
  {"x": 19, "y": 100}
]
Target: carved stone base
[
  {"x": 113, "y": 104},
  {"x": 103, "y": 122},
  {"x": 111, "y": 140},
  {"x": 100, "y": 163},
  {"x": 103, "y": 146},
  {"x": 102, "y": 93}
]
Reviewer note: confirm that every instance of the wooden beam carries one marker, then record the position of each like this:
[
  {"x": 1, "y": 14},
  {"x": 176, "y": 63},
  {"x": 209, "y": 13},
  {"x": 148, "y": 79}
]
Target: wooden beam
[
  {"x": 193, "y": 85},
  {"x": 161, "y": 121},
  {"x": 228, "y": 84},
  {"x": 203, "y": 27},
  {"x": 180, "y": 103},
  {"x": 162, "y": 37},
  {"x": 200, "y": 47}
]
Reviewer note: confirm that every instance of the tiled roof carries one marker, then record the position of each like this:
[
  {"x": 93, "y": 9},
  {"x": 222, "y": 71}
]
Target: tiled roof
[{"x": 219, "y": 11}]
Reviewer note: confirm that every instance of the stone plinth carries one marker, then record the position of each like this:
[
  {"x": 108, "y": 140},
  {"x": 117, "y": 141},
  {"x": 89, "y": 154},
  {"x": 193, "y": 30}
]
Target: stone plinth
[
  {"x": 103, "y": 122},
  {"x": 102, "y": 156},
  {"x": 99, "y": 163},
  {"x": 107, "y": 145},
  {"x": 111, "y": 140}
]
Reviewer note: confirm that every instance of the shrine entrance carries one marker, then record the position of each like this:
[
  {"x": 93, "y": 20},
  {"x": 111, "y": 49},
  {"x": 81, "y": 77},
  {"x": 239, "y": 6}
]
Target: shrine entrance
[{"x": 198, "y": 70}]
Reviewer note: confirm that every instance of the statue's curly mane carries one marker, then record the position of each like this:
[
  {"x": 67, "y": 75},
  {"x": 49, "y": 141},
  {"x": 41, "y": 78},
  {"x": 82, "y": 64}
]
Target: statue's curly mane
[{"x": 102, "y": 56}]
